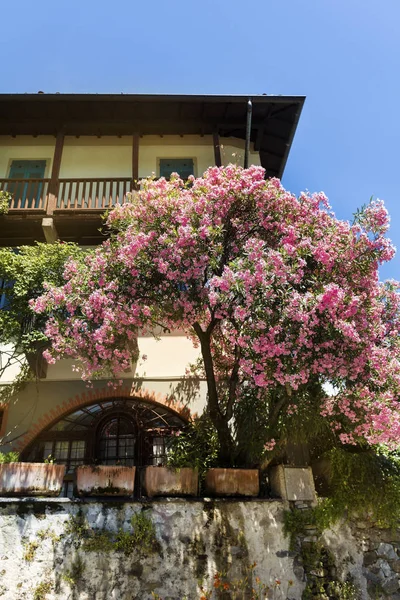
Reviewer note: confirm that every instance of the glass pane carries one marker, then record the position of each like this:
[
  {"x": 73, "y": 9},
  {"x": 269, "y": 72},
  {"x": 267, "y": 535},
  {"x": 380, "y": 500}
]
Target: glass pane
[
  {"x": 67, "y": 490},
  {"x": 77, "y": 449},
  {"x": 61, "y": 450},
  {"x": 47, "y": 450},
  {"x": 158, "y": 451}
]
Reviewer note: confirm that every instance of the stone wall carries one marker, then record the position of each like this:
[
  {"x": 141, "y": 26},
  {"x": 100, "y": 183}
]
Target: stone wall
[
  {"x": 377, "y": 559},
  {"x": 45, "y": 553}
]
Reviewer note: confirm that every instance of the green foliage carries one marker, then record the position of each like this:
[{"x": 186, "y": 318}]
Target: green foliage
[
  {"x": 141, "y": 538},
  {"x": 30, "y": 551},
  {"x": 252, "y": 428},
  {"x": 322, "y": 582},
  {"x": 77, "y": 526},
  {"x": 366, "y": 483},
  {"x": 73, "y": 575},
  {"x": 197, "y": 447},
  {"x": 45, "y": 534},
  {"x": 41, "y": 590},
  {"x": 5, "y": 199},
  {"x": 343, "y": 590},
  {"x": 9, "y": 457},
  {"x": 27, "y": 269},
  {"x": 98, "y": 541},
  {"x": 320, "y": 517},
  {"x": 258, "y": 419}
]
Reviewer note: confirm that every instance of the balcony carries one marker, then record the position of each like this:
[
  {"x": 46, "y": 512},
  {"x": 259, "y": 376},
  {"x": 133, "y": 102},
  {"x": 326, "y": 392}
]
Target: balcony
[
  {"x": 32, "y": 201},
  {"x": 76, "y": 136}
]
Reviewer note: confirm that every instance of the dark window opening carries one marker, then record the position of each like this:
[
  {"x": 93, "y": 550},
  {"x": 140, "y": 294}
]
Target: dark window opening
[{"x": 5, "y": 287}]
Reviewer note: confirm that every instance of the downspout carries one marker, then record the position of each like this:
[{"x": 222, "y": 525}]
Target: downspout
[{"x": 248, "y": 133}]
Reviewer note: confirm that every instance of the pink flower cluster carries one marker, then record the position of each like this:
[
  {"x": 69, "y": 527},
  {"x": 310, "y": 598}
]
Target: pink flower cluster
[{"x": 290, "y": 289}]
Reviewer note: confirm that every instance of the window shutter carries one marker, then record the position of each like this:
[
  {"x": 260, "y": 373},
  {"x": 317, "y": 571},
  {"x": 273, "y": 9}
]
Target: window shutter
[
  {"x": 183, "y": 166},
  {"x": 27, "y": 169}
]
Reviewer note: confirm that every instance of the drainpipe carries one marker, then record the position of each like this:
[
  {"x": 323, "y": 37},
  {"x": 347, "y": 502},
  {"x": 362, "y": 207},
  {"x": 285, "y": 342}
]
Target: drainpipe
[{"x": 248, "y": 132}]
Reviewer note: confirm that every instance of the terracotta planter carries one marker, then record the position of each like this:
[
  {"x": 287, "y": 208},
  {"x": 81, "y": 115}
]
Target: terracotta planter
[
  {"x": 292, "y": 483},
  {"x": 104, "y": 480},
  {"x": 164, "y": 481},
  {"x": 232, "y": 482},
  {"x": 31, "y": 479}
]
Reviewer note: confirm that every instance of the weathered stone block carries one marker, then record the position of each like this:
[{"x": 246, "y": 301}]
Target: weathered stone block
[
  {"x": 369, "y": 558},
  {"x": 396, "y": 566},
  {"x": 384, "y": 567},
  {"x": 293, "y": 483},
  {"x": 387, "y": 551},
  {"x": 390, "y": 585}
]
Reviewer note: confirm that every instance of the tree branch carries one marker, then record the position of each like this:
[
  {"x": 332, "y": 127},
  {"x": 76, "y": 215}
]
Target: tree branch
[{"x": 277, "y": 409}]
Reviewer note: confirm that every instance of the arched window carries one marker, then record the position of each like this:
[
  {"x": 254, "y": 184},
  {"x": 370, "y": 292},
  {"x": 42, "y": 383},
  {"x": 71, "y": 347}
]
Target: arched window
[
  {"x": 117, "y": 440},
  {"x": 122, "y": 431}
]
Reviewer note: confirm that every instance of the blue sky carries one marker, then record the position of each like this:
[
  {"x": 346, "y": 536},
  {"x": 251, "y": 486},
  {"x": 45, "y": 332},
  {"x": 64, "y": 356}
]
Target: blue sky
[{"x": 344, "y": 55}]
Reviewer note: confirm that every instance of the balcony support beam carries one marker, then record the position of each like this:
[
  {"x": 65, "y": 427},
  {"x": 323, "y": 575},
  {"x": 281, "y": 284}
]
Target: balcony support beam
[
  {"x": 49, "y": 230},
  {"x": 55, "y": 174},
  {"x": 135, "y": 160},
  {"x": 217, "y": 149}
]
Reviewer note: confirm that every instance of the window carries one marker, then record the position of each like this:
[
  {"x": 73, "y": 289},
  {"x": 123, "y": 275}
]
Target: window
[
  {"x": 159, "y": 457},
  {"x": 124, "y": 431},
  {"x": 183, "y": 166},
  {"x": 69, "y": 453},
  {"x": 117, "y": 441}
]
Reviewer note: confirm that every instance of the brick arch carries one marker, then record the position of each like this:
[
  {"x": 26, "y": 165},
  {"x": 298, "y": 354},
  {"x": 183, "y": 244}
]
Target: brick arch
[{"x": 91, "y": 397}]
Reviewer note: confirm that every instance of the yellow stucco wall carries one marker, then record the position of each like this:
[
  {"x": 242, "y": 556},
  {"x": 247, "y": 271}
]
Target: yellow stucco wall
[
  {"x": 111, "y": 156},
  {"x": 25, "y": 148},
  {"x": 167, "y": 357}
]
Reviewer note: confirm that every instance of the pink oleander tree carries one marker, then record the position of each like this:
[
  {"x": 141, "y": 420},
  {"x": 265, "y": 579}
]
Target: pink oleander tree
[{"x": 280, "y": 296}]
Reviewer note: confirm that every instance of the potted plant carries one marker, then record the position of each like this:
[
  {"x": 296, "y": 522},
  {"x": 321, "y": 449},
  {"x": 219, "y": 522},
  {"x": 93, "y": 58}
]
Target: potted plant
[
  {"x": 189, "y": 453},
  {"x": 105, "y": 480},
  {"x": 29, "y": 479}
]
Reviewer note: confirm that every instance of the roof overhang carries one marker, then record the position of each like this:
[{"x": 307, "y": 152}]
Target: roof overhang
[{"x": 274, "y": 118}]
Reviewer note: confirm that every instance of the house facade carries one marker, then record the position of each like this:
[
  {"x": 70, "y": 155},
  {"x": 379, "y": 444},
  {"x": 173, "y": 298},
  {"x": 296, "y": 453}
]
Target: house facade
[{"x": 65, "y": 159}]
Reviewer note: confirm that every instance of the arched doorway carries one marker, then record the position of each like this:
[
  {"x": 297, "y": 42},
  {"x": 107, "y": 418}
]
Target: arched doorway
[{"x": 124, "y": 431}]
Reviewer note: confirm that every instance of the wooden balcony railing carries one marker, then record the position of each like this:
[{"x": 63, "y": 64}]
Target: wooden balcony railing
[
  {"x": 32, "y": 195},
  {"x": 88, "y": 194},
  {"x": 27, "y": 194}
]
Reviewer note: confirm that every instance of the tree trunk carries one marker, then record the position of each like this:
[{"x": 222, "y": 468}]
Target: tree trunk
[{"x": 218, "y": 419}]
